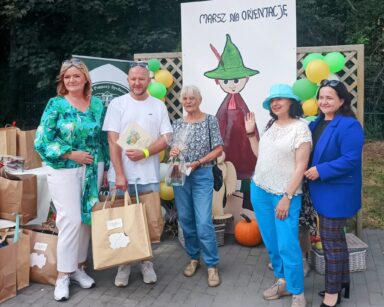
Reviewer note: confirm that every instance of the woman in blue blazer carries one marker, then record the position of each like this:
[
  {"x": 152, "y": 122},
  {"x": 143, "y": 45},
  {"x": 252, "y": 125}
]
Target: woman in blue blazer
[{"x": 335, "y": 181}]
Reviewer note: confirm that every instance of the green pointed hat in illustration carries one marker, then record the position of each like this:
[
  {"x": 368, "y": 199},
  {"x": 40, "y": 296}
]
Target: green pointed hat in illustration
[{"x": 231, "y": 64}]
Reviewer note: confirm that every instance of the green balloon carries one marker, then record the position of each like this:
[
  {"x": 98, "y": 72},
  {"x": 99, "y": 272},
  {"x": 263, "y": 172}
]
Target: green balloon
[
  {"x": 305, "y": 89},
  {"x": 310, "y": 57},
  {"x": 157, "y": 90},
  {"x": 153, "y": 65},
  {"x": 335, "y": 61}
]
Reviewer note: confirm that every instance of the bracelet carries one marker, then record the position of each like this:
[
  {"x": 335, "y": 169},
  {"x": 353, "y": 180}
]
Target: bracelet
[
  {"x": 250, "y": 133},
  {"x": 146, "y": 153},
  {"x": 199, "y": 162}
]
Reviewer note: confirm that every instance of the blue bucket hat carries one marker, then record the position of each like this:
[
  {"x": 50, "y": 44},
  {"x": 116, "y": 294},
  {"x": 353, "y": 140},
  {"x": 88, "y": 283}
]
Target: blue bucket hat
[{"x": 280, "y": 91}]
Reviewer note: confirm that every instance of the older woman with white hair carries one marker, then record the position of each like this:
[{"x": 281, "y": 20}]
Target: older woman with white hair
[{"x": 194, "y": 199}]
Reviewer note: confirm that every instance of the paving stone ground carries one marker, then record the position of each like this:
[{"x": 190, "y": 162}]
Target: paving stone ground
[{"x": 244, "y": 275}]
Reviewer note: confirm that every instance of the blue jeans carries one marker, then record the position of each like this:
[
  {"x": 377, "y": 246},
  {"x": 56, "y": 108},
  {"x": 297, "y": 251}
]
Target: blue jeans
[
  {"x": 194, "y": 208},
  {"x": 281, "y": 237}
]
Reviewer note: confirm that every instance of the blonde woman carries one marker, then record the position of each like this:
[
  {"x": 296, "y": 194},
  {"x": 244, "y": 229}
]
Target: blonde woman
[{"x": 68, "y": 140}]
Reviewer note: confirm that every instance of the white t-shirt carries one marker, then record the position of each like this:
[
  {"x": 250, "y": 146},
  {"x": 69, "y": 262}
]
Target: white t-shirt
[
  {"x": 276, "y": 159},
  {"x": 152, "y": 115}
]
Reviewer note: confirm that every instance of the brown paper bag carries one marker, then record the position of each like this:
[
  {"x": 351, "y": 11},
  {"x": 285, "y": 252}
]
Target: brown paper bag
[
  {"x": 18, "y": 194},
  {"x": 23, "y": 246},
  {"x": 43, "y": 259},
  {"x": 8, "y": 141},
  {"x": 119, "y": 234},
  {"x": 7, "y": 270},
  {"x": 152, "y": 209},
  {"x": 25, "y": 148},
  {"x": 154, "y": 216}
]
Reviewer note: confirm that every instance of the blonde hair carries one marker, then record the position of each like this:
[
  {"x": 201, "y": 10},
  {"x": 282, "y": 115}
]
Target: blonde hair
[
  {"x": 74, "y": 62},
  {"x": 191, "y": 90}
]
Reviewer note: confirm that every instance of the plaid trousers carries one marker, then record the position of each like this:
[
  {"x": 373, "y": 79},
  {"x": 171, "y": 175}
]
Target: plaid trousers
[{"x": 336, "y": 254}]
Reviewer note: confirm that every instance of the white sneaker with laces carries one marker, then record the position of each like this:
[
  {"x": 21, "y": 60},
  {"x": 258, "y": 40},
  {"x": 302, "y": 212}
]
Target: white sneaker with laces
[
  {"x": 149, "y": 275},
  {"x": 62, "y": 288},
  {"x": 82, "y": 279},
  {"x": 122, "y": 276}
]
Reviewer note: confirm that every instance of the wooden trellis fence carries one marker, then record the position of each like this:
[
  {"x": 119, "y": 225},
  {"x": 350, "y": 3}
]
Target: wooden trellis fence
[{"x": 352, "y": 75}]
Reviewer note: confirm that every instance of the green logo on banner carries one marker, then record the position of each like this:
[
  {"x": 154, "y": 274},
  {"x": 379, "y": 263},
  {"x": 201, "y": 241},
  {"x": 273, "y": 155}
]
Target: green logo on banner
[{"x": 107, "y": 90}]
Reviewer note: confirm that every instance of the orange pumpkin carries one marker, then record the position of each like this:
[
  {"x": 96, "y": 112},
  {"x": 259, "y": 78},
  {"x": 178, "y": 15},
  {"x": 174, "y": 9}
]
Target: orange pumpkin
[{"x": 247, "y": 232}]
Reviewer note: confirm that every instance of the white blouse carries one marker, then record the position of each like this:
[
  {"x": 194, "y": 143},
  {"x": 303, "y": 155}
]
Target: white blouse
[{"x": 276, "y": 159}]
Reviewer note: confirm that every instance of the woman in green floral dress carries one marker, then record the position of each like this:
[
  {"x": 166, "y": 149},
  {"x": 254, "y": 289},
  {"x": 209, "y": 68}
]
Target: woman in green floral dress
[{"x": 69, "y": 141}]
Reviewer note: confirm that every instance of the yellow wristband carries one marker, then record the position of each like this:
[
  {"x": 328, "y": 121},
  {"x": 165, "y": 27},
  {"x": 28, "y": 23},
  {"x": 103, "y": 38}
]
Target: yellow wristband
[{"x": 146, "y": 152}]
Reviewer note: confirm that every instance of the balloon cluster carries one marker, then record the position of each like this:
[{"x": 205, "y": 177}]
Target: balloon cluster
[
  {"x": 317, "y": 68},
  {"x": 166, "y": 191},
  {"x": 163, "y": 79}
]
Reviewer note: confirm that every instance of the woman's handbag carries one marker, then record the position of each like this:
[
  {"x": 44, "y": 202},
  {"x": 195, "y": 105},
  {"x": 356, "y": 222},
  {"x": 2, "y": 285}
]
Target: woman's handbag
[
  {"x": 217, "y": 173},
  {"x": 119, "y": 234},
  {"x": 217, "y": 177}
]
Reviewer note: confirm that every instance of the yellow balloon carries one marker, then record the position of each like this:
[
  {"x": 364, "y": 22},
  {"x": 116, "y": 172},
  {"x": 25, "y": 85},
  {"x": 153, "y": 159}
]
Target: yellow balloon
[
  {"x": 166, "y": 192},
  {"x": 317, "y": 70},
  {"x": 164, "y": 76},
  {"x": 161, "y": 155},
  {"x": 310, "y": 107}
]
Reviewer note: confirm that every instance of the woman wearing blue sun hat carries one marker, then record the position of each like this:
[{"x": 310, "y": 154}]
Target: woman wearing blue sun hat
[{"x": 282, "y": 154}]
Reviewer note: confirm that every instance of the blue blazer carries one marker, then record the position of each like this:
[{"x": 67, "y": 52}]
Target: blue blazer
[{"x": 337, "y": 157}]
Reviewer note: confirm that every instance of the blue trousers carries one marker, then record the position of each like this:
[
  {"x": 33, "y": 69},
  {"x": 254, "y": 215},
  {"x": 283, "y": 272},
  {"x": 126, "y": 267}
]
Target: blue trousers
[
  {"x": 194, "y": 208},
  {"x": 281, "y": 237}
]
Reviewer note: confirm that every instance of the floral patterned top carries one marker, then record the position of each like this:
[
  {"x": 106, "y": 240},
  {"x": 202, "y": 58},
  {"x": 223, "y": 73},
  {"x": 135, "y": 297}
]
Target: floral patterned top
[
  {"x": 195, "y": 140},
  {"x": 63, "y": 129}
]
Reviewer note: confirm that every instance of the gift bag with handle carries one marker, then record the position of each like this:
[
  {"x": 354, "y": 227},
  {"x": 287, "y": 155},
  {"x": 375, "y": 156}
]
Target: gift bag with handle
[
  {"x": 7, "y": 267},
  {"x": 25, "y": 148},
  {"x": 155, "y": 219},
  {"x": 8, "y": 141},
  {"x": 43, "y": 256},
  {"x": 119, "y": 233},
  {"x": 21, "y": 239},
  {"x": 18, "y": 194}
]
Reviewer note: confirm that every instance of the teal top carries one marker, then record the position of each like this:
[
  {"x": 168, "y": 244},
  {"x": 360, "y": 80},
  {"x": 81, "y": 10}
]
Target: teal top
[{"x": 63, "y": 129}]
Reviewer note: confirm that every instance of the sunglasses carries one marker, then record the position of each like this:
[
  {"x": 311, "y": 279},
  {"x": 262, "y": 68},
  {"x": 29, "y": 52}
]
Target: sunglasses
[
  {"x": 73, "y": 62},
  {"x": 331, "y": 83},
  {"x": 140, "y": 64}
]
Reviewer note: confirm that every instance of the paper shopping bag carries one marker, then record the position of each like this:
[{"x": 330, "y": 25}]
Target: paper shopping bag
[
  {"x": 22, "y": 256},
  {"x": 154, "y": 216},
  {"x": 7, "y": 268},
  {"x": 119, "y": 234},
  {"x": 8, "y": 141},
  {"x": 43, "y": 257},
  {"x": 18, "y": 194},
  {"x": 25, "y": 148}
]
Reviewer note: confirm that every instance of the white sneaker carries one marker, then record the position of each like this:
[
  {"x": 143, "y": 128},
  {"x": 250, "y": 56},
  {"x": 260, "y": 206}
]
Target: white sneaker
[
  {"x": 62, "y": 288},
  {"x": 82, "y": 279},
  {"x": 122, "y": 276},
  {"x": 149, "y": 275}
]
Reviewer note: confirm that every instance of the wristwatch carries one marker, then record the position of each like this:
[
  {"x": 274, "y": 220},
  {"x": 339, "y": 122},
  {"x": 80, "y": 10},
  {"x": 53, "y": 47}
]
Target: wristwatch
[{"x": 289, "y": 196}]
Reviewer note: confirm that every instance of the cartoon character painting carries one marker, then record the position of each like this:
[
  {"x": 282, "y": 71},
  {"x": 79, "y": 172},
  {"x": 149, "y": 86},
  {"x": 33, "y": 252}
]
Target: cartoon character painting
[{"x": 232, "y": 76}]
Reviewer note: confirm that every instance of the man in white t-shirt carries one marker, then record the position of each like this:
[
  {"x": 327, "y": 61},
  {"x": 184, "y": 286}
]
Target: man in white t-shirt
[{"x": 136, "y": 166}]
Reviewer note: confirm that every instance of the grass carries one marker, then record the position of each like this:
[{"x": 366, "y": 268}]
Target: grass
[{"x": 373, "y": 185}]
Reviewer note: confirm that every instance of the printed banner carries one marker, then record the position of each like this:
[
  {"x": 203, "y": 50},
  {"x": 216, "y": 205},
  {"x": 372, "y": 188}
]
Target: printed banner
[{"x": 109, "y": 77}]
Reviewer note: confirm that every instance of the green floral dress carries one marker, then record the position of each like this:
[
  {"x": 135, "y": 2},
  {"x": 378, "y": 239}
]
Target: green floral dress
[{"x": 63, "y": 129}]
